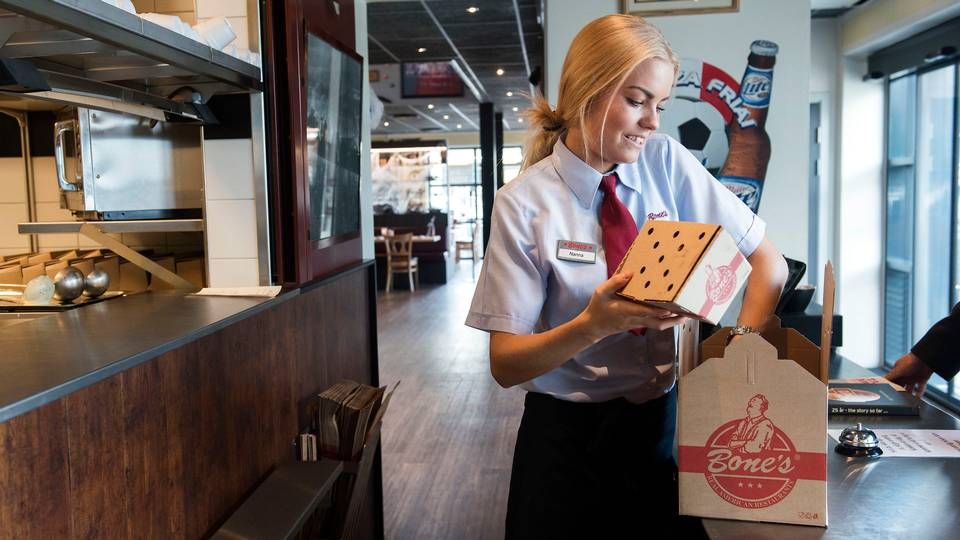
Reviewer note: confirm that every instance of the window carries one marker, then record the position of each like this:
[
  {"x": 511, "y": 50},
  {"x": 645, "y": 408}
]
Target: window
[
  {"x": 512, "y": 159},
  {"x": 922, "y": 227},
  {"x": 463, "y": 192}
]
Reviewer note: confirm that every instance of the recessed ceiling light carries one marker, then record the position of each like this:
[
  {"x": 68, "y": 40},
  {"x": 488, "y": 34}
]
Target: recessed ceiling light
[
  {"x": 472, "y": 9},
  {"x": 446, "y": 117},
  {"x": 422, "y": 50},
  {"x": 430, "y": 106},
  {"x": 500, "y": 71},
  {"x": 386, "y": 124},
  {"x": 459, "y": 126},
  {"x": 515, "y": 109},
  {"x": 520, "y": 120},
  {"x": 509, "y": 94}
]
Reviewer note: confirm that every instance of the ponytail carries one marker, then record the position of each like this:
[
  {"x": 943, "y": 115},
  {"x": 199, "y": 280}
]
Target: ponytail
[{"x": 545, "y": 127}]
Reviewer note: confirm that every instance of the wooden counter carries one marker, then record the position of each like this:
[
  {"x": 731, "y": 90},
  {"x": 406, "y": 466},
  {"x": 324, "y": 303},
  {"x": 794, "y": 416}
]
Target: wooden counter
[{"x": 154, "y": 416}]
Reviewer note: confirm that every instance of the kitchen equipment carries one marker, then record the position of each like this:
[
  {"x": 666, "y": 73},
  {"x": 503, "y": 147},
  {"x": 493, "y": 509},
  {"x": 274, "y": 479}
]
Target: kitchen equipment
[
  {"x": 795, "y": 271},
  {"x": 114, "y": 166},
  {"x": 799, "y": 300},
  {"x": 96, "y": 283},
  {"x": 68, "y": 284},
  {"x": 858, "y": 441}
]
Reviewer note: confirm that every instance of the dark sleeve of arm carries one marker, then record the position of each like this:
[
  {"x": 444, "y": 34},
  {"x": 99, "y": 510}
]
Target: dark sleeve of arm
[{"x": 940, "y": 346}]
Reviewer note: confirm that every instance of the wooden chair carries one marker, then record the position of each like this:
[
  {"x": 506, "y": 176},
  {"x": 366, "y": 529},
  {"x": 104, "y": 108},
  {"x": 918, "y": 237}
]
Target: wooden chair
[
  {"x": 400, "y": 258},
  {"x": 468, "y": 245}
]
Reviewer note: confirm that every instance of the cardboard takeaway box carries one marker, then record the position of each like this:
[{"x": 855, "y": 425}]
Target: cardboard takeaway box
[
  {"x": 752, "y": 426},
  {"x": 789, "y": 342},
  {"x": 751, "y": 439},
  {"x": 690, "y": 268}
]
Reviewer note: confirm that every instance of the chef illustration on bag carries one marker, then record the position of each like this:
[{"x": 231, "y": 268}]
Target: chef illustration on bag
[{"x": 754, "y": 432}]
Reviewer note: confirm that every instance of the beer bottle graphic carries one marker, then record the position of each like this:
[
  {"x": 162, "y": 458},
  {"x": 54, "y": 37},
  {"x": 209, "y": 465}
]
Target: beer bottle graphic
[{"x": 744, "y": 170}]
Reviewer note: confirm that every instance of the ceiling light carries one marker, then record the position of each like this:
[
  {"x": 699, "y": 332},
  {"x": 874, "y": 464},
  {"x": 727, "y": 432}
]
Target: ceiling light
[
  {"x": 509, "y": 94},
  {"x": 422, "y": 50},
  {"x": 499, "y": 71},
  {"x": 520, "y": 120},
  {"x": 459, "y": 126},
  {"x": 472, "y": 9},
  {"x": 386, "y": 124},
  {"x": 515, "y": 109},
  {"x": 446, "y": 117},
  {"x": 430, "y": 106}
]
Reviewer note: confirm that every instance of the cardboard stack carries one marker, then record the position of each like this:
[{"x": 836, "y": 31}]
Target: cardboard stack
[{"x": 689, "y": 268}]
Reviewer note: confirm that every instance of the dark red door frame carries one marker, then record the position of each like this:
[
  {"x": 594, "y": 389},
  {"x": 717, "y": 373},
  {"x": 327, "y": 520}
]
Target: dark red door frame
[{"x": 296, "y": 258}]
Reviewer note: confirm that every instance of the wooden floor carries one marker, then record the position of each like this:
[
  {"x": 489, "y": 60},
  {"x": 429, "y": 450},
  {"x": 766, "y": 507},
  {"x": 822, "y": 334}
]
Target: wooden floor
[{"x": 449, "y": 434}]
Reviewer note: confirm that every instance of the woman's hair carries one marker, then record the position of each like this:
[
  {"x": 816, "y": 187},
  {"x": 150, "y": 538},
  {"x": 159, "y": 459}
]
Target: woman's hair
[{"x": 600, "y": 59}]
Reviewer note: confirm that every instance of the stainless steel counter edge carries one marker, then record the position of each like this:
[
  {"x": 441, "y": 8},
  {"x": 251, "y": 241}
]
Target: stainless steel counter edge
[{"x": 45, "y": 359}]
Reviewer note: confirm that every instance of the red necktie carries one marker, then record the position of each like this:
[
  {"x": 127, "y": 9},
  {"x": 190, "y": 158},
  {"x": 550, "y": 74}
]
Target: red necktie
[{"x": 618, "y": 227}]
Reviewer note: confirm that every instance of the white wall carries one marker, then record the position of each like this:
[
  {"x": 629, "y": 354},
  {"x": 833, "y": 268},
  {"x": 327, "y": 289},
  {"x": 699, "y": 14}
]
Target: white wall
[
  {"x": 724, "y": 41},
  {"x": 825, "y": 90},
  {"x": 230, "y": 213},
  {"x": 562, "y": 20},
  {"x": 861, "y": 197}
]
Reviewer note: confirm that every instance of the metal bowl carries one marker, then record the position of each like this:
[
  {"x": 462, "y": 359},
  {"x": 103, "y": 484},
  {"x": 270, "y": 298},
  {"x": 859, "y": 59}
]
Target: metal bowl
[
  {"x": 96, "y": 283},
  {"x": 67, "y": 284}
]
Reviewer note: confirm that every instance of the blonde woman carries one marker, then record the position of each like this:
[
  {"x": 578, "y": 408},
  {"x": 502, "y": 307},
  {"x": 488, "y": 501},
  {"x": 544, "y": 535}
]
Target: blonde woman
[{"x": 594, "y": 451}]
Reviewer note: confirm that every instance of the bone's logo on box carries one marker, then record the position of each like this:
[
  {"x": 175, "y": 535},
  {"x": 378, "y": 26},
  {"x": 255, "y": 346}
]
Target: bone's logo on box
[
  {"x": 721, "y": 282},
  {"x": 750, "y": 462}
]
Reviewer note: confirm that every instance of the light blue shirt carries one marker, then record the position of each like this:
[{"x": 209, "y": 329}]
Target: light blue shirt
[{"x": 524, "y": 288}]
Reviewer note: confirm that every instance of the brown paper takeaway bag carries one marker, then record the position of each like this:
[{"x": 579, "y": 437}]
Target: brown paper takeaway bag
[{"x": 752, "y": 438}]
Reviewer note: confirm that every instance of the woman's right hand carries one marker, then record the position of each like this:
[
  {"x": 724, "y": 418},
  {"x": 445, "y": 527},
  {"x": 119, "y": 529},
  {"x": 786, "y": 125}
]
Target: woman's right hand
[{"x": 609, "y": 313}]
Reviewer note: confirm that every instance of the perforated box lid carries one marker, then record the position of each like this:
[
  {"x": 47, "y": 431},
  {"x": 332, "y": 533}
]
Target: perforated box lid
[{"x": 662, "y": 257}]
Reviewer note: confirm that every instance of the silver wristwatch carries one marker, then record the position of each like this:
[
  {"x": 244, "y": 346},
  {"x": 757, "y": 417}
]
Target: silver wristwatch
[{"x": 741, "y": 330}]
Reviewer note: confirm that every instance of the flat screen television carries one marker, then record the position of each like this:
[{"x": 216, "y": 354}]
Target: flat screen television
[
  {"x": 430, "y": 79},
  {"x": 334, "y": 105}
]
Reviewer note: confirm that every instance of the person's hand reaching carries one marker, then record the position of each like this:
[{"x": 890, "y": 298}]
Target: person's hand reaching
[{"x": 911, "y": 373}]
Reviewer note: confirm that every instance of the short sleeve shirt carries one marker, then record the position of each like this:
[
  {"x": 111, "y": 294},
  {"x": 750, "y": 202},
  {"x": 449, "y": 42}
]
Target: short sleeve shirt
[{"x": 524, "y": 288}]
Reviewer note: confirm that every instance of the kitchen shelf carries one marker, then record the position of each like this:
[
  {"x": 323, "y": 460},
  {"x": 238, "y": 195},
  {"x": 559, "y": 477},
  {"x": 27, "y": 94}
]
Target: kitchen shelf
[
  {"x": 93, "y": 41},
  {"x": 133, "y": 226}
]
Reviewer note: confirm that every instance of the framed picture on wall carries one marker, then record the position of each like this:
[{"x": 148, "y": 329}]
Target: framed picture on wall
[{"x": 651, "y": 8}]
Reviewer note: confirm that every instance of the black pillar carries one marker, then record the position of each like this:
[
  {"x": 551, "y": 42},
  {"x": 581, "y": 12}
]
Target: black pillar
[
  {"x": 488, "y": 164},
  {"x": 498, "y": 122}
]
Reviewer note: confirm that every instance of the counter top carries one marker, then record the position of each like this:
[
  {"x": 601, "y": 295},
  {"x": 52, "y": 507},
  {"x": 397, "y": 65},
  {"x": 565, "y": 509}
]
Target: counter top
[
  {"x": 896, "y": 497},
  {"x": 46, "y": 357}
]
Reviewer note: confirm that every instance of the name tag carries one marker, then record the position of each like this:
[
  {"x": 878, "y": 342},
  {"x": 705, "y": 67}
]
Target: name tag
[{"x": 568, "y": 250}]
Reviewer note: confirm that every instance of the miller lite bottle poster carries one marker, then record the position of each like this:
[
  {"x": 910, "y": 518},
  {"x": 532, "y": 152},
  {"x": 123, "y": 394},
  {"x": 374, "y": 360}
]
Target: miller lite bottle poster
[
  {"x": 752, "y": 443},
  {"x": 723, "y": 122}
]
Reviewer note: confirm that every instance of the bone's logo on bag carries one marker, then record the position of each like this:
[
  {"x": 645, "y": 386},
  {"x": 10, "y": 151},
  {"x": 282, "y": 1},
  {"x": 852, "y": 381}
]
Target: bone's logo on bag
[
  {"x": 750, "y": 462},
  {"x": 721, "y": 282}
]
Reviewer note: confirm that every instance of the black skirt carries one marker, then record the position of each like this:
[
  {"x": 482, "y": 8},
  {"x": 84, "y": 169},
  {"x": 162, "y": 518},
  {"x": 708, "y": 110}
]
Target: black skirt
[{"x": 595, "y": 470}]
